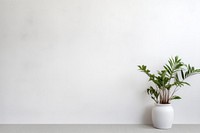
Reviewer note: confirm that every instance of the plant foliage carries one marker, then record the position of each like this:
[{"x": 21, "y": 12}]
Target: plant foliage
[{"x": 168, "y": 80}]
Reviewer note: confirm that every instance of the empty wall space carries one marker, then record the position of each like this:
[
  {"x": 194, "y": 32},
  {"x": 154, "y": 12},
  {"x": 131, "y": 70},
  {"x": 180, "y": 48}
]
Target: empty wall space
[{"x": 75, "y": 61}]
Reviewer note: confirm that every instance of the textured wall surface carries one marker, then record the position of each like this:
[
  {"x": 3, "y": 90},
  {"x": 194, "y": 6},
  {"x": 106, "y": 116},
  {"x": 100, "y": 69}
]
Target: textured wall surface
[{"x": 75, "y": 61}]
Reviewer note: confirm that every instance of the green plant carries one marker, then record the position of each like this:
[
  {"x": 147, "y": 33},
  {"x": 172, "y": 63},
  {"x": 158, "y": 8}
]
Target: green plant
[{"x": 168, "y": 80}]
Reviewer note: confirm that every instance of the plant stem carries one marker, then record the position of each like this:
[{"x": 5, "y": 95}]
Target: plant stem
[{"x": 175, "y": 90}]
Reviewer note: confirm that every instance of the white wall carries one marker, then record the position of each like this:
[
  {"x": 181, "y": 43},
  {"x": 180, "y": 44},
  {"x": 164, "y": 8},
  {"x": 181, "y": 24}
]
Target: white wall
[{"x": 75, "y": 61}]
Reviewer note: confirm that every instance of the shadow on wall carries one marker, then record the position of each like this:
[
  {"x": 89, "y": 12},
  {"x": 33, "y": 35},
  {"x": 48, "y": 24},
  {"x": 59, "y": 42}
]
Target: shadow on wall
[
  {"x": 146, "y": 116},
  {"x": 146, "y": 106}
]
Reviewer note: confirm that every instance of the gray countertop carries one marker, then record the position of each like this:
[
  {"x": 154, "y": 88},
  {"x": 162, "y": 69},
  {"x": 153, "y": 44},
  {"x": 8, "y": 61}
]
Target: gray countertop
[{"x": 94, "y": 128}]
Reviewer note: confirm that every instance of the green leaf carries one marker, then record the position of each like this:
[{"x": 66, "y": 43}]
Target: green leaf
[
  {"x": 175, "y": 97},
  {"x": 182, "y": 74},
  {"x": 168, "y": 69},
  {"x": 186, "y": 83}
]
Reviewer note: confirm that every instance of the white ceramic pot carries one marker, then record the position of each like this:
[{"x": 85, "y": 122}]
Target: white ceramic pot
[{"x": 162, "y": 116}]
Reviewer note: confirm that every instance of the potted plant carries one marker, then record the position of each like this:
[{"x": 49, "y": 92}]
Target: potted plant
[{"x": 166, "y": 83}]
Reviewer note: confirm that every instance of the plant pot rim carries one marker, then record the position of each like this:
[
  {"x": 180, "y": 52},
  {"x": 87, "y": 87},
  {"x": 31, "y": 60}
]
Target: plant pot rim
[{"x": 160, "y": 104}]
